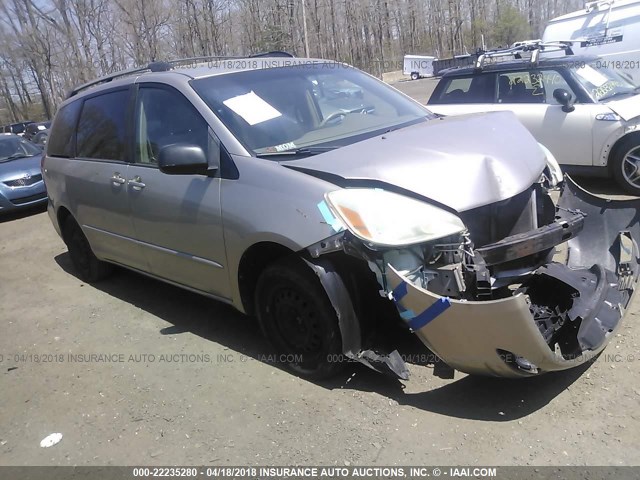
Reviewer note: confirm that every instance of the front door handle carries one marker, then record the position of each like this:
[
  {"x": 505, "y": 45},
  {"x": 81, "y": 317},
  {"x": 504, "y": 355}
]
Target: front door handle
[
  {"x": 118, "y": 179},
  {"x": 136, "y": 183}
]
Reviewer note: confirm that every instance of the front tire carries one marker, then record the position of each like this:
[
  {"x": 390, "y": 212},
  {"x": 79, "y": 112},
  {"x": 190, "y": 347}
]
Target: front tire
[
  {"x": 298, "y": 319},
  {"x": 626, "y": 165},
  {"x": 89, "y": 268}
]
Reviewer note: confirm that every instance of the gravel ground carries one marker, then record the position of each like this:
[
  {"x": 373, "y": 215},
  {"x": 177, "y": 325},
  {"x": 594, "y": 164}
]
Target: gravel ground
[{"x": 133, "y": 371}]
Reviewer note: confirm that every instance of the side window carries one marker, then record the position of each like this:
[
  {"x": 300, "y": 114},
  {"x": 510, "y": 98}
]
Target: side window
[
  {"x": 521, "y": 87},
  {"x": 472, "y": 89},
  {"x": 552, "y": 80},
  {"x": 164, "y": 117},
  {"x": 60, "y": 142},
  {"x": 101, "y": 130}
]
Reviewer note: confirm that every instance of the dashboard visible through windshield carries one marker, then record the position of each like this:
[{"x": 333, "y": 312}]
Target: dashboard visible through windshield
[{"x": 284, "y": 109}]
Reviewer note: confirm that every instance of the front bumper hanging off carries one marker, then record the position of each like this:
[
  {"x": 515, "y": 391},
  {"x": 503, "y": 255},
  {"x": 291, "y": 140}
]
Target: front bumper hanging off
[{"x": 593, "y": 288}]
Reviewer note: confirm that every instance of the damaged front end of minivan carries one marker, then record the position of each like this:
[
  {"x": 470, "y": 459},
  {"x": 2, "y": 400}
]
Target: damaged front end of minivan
[{"x": 512, "y": 289}]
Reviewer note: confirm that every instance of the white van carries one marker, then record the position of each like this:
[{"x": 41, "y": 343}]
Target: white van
[
  {"x": 609, "y": 29},
  {"x": 418, "y": 66}
]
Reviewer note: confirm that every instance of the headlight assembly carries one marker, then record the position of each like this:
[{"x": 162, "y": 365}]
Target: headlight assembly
[
  {"x": 554, "y": 168},
  {"x": 388, "y": 219}
]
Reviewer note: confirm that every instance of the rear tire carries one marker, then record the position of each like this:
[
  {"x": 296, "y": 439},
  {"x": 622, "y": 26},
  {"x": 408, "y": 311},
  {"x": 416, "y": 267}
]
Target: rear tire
[
  {"x": 625, "y": 165},
  {"x": 298, "y": 319},
  {"x": 415, "y": 76},
  {"x": 89, "y": 268}
]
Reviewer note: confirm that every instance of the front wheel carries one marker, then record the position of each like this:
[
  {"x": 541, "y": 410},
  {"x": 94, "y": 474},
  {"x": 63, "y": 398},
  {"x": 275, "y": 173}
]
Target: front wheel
[
  {"x": 298, "y": 319},
  {"x": 626, "y": 165}
]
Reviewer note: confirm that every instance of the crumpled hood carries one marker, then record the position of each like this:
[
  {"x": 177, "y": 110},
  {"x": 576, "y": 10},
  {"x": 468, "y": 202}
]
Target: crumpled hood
[
  {"x": 627, "y": 108},
  {"x": 463, "y": 162}
]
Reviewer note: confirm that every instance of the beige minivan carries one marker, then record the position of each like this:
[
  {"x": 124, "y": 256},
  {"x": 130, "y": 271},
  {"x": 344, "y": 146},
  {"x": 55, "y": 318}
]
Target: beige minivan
[{"x": 328, "y": 204}]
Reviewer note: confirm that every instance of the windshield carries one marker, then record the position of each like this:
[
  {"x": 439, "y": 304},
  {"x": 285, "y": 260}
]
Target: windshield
[
  {"x": 603, "y": 83},
  {"x": 275, "y": 110},
  {"x": 15, "y": 147}
]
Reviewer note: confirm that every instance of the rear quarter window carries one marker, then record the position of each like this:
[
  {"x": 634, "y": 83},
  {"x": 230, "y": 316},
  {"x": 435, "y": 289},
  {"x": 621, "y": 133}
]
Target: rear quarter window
[{"x": 60, "y": 142}]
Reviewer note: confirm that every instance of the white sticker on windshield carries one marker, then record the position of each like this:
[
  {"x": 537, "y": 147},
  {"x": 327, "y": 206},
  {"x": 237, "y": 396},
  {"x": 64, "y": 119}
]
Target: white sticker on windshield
[
  {"x": 252, "y": 108},
  {"x": 285, "y": 146},
  {"x": 592, "y": 76}
]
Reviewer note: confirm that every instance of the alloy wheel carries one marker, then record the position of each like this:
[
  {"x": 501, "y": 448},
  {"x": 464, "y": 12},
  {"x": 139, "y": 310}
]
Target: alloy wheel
[{"x": 631, "y": 167}]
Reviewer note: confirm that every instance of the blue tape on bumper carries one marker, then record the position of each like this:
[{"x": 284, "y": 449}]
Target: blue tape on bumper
[
  {"x": 416, "y": 322},
  {"x": 430, "y": 314},
  {"x": 406, "y": 314},
  {"x": 399, "y": 292}
]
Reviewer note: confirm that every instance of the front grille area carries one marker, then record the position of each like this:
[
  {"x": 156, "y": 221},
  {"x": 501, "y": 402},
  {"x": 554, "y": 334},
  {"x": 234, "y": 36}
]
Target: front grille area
[
  {"x": 30, "y": 198},
  {"x": 24, "y": 181},
  {"x": 491, "y": 223}
]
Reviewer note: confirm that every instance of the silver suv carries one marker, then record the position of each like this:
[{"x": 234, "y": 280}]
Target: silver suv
[{"x": 329, "y": 214}]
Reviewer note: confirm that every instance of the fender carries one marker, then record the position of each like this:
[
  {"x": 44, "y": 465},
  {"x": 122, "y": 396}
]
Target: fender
[{"x": 391, "y": 364}]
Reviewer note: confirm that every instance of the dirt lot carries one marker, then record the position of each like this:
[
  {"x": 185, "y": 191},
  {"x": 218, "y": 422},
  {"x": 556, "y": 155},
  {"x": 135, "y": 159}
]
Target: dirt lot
[{"x": 132, "y": 371}]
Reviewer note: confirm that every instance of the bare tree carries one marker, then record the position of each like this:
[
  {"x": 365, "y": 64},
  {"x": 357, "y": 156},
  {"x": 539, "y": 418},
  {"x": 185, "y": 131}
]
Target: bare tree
[{"x": 48, "y": 46}]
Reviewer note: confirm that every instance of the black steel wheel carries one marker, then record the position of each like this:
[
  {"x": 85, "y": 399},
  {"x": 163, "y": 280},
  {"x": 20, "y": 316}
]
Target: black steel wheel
[{"x": 298, "y": 319}]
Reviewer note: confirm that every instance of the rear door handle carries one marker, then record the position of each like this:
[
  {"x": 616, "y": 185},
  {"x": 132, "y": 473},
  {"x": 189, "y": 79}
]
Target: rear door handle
[
  {"x": 118, "y": 179},
  {"x": 136, "y": 183}
]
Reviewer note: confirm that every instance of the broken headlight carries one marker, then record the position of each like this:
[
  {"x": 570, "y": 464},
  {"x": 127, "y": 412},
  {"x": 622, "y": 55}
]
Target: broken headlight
[
  {"x": 553, "y": 169},
  {"x": 388, "y": 219}
]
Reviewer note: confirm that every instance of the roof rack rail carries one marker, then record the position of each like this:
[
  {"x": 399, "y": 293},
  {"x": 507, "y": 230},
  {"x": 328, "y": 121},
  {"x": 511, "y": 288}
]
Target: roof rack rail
[
  {"x": 106, "y": 78},
  {"x": 590, "y": 6},
  {"x": 273, "y": 53},
  {"x": 158, "y": 66},
  {"x": 534, "y": 47}
]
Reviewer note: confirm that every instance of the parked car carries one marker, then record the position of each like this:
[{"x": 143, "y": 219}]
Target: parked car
[
  {"x": 226, "y": 179},
  {"x": 17, "y": 128},
  {"x": 32, "y": 129},
  {"x": 21, "y": 184},
  {"x": 585, "y": 113},
  {"x": 41, "y": 138}
]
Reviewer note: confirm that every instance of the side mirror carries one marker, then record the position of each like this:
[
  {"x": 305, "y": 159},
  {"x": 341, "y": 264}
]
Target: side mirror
[
  {"x": 183, "y": 159},
  {"x": 565, "y": 99}
]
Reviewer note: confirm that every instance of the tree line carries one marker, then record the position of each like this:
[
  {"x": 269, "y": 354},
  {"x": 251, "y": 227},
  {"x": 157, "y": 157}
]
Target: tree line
[{"x": 49, "y": 46}]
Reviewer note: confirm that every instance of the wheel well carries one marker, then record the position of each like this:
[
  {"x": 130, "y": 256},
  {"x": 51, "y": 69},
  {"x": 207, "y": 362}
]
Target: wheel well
[
  {"x": 371, "y": 309},
  {"x": 62, "y": 216},
  {"x": 252, "y": 264},
  {"x": 616, "y": 146}
]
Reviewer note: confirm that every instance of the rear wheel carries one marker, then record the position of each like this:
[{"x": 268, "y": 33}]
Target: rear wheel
[
  {"x": 89, "y": 268},
  {"x": 626, "y": 165},
  {"x": 415, "y": 76},
  {"x": 298, "y": 319}
]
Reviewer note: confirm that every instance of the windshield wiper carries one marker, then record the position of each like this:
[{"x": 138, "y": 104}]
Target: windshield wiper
[
  {"x": 299, "y": 152},
  {"x": 18, "y": 155}
]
